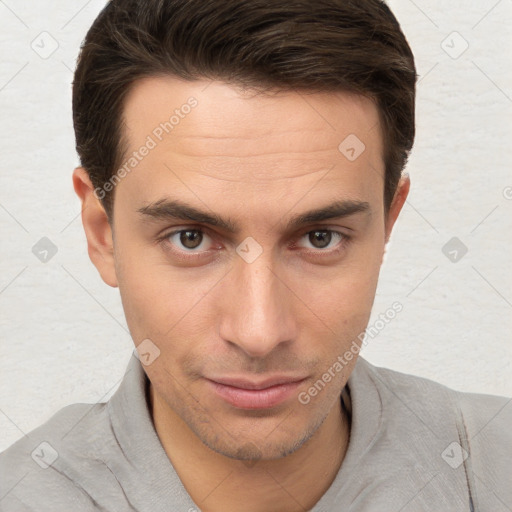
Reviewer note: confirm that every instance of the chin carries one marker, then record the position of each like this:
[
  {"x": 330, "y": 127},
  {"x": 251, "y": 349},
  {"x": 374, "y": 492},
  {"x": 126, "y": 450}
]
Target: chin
[{"x": 252, "y": 446}]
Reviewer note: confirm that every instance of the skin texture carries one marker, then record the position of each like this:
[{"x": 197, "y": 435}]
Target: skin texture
[{"x": 257, "y": 160}]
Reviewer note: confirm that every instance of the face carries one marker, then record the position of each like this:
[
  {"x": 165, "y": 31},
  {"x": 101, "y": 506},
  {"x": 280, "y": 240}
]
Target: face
[{"x": 247, "y": 248}]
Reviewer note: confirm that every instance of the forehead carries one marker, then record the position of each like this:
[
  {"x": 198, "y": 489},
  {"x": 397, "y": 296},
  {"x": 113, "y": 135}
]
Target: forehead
[{"x": 221, "y": 138}]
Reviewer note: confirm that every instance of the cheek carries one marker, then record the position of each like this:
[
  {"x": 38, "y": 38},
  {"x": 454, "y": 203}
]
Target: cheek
[
  {"x": 337, "y": 307},
  {"x": 348, "y": 288},
  {"x": 160, "y": 302},
  {"x": 144, "y": 292}
]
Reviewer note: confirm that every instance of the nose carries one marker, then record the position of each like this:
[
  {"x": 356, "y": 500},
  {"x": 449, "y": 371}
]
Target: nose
[{"x": 257, "y": 308}]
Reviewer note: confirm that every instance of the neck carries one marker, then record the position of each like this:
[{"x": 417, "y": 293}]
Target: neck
[{"x": 220, "y": 484}]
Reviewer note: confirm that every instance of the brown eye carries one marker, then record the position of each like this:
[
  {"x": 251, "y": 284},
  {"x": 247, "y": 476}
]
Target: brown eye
[
  {"x": 194, "y": 241},
  {"x": 191, "y": 238},
  {"x": 327, "y": 239},
  {"x": 320, "y": 239}
]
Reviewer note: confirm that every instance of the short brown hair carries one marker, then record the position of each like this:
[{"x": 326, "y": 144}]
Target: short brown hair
[{"x": 310, "y": 45}]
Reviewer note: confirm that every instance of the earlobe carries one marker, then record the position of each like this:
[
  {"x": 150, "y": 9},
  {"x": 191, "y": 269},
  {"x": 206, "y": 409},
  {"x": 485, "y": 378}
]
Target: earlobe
[
  {"x": 401, "y": 193},
  {"x": 97, "y": 228}
]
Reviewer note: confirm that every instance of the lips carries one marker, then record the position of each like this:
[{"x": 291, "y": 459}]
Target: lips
[
  {"x": 269, "y": 382},
  {"x": 249, "y": 394}
]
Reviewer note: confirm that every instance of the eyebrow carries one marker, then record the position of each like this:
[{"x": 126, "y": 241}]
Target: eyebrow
[{"x": 167, "y": 209}]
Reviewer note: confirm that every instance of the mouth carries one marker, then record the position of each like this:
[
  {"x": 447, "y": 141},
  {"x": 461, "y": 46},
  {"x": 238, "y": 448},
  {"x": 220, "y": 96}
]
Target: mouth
[{"x": 246, "y": 394}]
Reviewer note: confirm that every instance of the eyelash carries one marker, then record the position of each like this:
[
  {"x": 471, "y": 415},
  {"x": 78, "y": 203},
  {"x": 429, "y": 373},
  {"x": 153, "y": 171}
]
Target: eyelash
[{"x": 342, "y": 244}]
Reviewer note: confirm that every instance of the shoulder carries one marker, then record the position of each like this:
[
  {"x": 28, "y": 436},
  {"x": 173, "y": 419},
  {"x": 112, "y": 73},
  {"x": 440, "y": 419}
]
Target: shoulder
[
  {"x": 477, "y": 410},
  {"x": 464, "y": 430},
  {"x": 41, "y": 467},
  {"x": 465, "y": 436}
]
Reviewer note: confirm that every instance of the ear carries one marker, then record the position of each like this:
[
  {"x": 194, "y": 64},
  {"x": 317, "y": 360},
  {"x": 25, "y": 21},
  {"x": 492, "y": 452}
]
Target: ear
[
  {"x": 100, "y": 243},
  {"x": 401, "y": 193}
]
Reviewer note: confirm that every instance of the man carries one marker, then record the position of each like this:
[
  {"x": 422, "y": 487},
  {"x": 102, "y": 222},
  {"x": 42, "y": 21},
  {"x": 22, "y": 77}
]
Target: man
[{"x": 241, "y": 174}]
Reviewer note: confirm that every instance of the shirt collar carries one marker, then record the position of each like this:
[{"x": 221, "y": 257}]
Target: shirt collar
[{"x": 148, "y": 471}]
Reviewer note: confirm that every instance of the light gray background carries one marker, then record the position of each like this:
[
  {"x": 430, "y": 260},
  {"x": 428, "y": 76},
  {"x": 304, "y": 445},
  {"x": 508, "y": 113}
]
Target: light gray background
[{"x": 63, "y": 333}]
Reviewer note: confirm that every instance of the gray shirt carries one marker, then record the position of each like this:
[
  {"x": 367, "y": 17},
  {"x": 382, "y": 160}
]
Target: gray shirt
[{"x": 415, "y": 445}]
